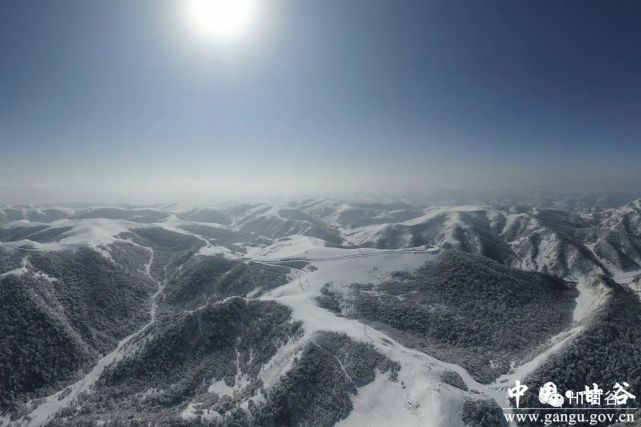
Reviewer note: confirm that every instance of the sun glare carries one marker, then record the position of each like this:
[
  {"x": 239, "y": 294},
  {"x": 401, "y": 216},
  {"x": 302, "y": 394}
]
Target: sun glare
[{"x": 221, "y": 20}]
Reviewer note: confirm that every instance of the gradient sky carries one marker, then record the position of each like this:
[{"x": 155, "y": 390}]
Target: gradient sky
[{"x": 117, "y": 101}]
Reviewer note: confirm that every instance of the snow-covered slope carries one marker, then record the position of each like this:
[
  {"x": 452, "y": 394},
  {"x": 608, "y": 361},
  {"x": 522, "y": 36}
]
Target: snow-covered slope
[{"x": 297, "y": 313}]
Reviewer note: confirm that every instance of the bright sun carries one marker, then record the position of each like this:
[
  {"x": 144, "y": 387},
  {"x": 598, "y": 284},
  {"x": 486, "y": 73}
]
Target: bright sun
[{"x": 221, "y": 20}]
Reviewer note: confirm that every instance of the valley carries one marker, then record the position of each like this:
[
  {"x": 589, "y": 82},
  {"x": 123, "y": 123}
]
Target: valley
[{"x": 317, "y": 312}]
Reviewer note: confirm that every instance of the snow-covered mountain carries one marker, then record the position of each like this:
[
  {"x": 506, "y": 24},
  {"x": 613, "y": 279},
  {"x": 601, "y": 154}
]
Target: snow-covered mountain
[{"x": 314, "y": 312}]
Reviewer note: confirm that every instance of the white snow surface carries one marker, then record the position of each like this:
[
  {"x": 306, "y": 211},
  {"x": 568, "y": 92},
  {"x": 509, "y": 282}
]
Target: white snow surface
[
  {"x": 94, "y": 233},
  {"x": 417, "y": 398},
  {"x": 592, "y": 294}
]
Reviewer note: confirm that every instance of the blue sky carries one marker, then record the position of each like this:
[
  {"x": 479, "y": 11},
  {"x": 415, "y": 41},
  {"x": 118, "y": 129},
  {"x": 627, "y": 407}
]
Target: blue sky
[{"x": 113, "y": 100}]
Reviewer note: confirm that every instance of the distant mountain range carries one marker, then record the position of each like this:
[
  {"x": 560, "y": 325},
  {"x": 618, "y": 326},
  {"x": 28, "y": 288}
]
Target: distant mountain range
[{"x": 315, "y": 312}]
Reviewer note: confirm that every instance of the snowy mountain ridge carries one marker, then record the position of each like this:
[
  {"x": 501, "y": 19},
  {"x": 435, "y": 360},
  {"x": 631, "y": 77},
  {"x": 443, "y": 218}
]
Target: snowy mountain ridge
[{"x": 357, "y": 312}]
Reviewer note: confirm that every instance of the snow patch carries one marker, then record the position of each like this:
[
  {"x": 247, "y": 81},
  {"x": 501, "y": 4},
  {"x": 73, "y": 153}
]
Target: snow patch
[{"x": 592, "y": 294}]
